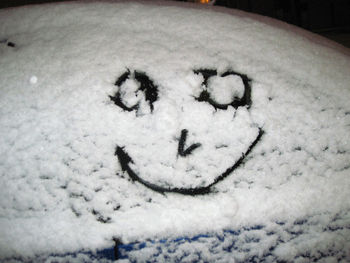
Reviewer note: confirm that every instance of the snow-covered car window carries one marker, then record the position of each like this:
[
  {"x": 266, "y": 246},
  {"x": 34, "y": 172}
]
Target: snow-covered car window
[{"x": 134, "y": 122}]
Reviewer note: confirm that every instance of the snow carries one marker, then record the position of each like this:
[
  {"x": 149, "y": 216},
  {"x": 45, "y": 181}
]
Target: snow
[
  {"x": 303, "y": 241},
  {"x": 33, "y": 80},
  {"x": 130, "y": 93},
  {"x": 284, "y": 148},
  {"x": 223, "y": 90}
]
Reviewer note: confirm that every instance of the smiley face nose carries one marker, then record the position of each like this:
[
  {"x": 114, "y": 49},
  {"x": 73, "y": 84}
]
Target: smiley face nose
[{"x": 182, "y": 144}]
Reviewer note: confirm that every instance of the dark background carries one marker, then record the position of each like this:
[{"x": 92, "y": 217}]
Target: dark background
[
  {"x": 316, "y": 15},
  {"x": 330, "y": 18}
]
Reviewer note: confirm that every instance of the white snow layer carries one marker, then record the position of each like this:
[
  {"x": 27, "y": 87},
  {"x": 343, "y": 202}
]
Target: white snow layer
[
  {"x": 224, "y": 89},
  {"x": 63, "y": 189}
]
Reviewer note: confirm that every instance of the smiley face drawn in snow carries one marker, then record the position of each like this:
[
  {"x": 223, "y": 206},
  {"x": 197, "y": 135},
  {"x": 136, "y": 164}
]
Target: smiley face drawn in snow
[{"x": 185, "y": 143}]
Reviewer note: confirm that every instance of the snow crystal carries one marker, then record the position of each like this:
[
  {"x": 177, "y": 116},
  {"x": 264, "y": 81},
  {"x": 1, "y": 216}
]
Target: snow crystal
[
  {"x": 33, "y": 80},
  {"x": 161, "y": 120}
]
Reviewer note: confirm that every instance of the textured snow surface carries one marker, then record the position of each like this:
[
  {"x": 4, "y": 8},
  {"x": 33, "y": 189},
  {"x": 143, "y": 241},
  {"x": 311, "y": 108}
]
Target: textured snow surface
[
  {"x": 305, "y": 240},
  {"x": 64, "y": 186},
  {"x": 225, "y": 89}
]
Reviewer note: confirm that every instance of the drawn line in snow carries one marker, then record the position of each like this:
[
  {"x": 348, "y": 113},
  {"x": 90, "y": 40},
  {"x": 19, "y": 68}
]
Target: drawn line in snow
[
  {"x": 146, "y": 86},
  {"x": 141, "y": 82},
  {"x": 237, "y": 102},
  {"x": 124, "y": 160},
  {"x": 8, "y": 43}
]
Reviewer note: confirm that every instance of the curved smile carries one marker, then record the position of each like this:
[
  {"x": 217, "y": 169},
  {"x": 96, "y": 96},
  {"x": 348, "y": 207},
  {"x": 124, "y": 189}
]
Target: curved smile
[{"x": 125, "y": 160}]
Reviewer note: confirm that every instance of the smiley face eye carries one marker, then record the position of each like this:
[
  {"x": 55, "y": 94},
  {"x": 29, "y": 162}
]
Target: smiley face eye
[
  {"x": 135, "y": 90},
  {"x": 228, "y": 89}
]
